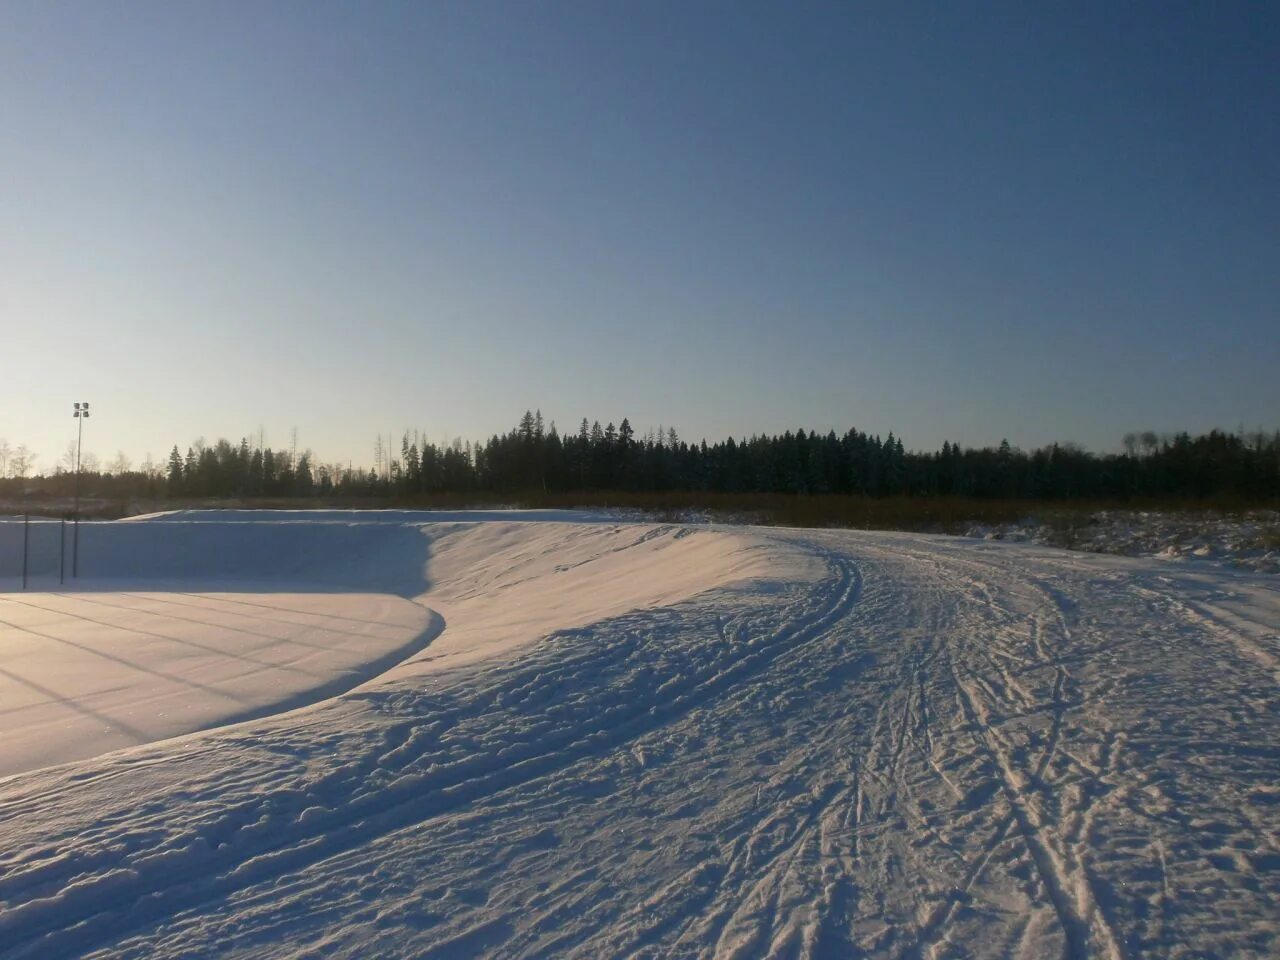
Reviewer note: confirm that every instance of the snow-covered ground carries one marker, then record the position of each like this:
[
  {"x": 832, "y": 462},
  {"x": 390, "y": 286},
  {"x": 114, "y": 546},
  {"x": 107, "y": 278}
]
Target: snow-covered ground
[
  {"x": 85, "y": 672},
  {"x": 1249, "y": 541},
  {"x": 185, "y": 621},
  {"x": 643, "y": 740}
]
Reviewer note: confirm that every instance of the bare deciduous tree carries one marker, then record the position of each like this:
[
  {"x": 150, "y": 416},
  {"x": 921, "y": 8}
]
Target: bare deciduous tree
[{"x": 21, "y": 462}]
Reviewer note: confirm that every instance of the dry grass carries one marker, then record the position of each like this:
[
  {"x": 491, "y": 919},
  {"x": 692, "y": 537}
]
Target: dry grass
[{"x": 1269, "y": 537}]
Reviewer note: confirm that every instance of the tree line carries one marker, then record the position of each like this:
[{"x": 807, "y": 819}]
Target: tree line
[{"x": 537, "y": 457}]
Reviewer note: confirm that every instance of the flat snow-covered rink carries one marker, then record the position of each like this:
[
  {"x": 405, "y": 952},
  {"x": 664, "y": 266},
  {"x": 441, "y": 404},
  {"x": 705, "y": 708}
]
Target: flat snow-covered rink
[
  {"x": 636, "y": 740},
  {"x": 84, "y": 673}
]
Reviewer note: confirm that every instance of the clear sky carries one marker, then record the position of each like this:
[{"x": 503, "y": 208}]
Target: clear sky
[{"x": 953, "y": 221}]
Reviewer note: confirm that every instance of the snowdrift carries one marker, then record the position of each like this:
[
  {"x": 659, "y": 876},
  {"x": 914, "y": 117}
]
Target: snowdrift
[{"x": 181, "y": 622}]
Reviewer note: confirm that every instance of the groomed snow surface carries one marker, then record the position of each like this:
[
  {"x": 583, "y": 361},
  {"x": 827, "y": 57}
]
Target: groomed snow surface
[{"x": 326, "y": 734}]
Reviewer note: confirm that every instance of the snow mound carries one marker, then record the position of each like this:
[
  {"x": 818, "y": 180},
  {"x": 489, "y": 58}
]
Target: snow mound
[{"x": 186, "y": 621}]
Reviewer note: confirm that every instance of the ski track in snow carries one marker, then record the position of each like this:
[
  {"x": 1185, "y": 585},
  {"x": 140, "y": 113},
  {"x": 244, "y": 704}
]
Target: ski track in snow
[{"x": 921, "y": 748}]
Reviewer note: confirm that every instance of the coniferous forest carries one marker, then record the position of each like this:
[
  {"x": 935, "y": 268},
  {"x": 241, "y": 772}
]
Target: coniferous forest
[{"x": 536, "y": 458}]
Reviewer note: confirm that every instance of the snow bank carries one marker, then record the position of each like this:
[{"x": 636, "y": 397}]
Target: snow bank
[
  {"x": 190, "y": 620},
  {"x": 500, "y": 586}
]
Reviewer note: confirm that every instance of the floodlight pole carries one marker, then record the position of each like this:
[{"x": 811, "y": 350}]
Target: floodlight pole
[{"x": 81, "y": 414}]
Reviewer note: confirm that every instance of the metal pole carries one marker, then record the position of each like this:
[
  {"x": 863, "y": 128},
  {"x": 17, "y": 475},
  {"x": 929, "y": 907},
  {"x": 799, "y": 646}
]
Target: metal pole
[
  {"x": 26, "y": 535},
  {"x": 75, "y": 544},
  {"x": 62, "y": 549}
]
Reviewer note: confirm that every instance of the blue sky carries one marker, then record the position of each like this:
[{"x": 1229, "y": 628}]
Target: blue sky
[{"x": 1034, "y": 221}]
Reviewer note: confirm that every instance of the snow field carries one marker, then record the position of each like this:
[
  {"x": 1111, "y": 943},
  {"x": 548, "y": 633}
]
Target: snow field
[
  {"x": 800, "y": 743},
  {"x": 108, "y": 661},
  {"x": 85, "y": 673}
]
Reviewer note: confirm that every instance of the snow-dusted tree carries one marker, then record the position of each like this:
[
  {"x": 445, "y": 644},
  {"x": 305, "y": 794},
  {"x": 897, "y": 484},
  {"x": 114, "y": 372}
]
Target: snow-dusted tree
[{"x": 120, "y": 464}]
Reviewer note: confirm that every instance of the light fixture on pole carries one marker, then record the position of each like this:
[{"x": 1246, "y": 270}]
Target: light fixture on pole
[{"x": 81, "y": 414}]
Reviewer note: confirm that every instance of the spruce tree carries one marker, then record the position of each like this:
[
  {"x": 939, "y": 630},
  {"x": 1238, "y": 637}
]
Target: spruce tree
[{"x": 175, "y": 472}]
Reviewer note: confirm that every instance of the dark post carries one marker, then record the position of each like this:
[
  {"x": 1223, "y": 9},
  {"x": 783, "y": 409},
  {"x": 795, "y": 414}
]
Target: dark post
[
  {"x": 62, "y": 550},
  {"x": 26, "y": 532},
  {"x": 81, "y": 415}
]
